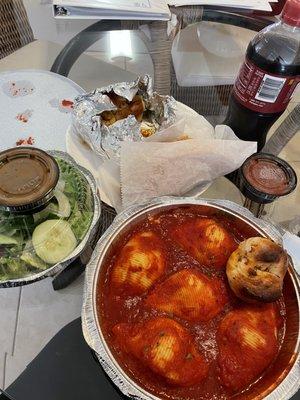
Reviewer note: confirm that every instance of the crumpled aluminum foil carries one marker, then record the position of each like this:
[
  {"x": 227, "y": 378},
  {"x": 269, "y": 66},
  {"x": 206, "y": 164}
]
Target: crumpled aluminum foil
[
  {"x": 91, "y": 325},
  {"x": 105, "y": 140}
]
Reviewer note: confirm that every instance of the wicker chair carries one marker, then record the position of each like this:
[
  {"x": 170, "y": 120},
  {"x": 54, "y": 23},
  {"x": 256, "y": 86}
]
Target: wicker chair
[{"x": 15, "y": 31}]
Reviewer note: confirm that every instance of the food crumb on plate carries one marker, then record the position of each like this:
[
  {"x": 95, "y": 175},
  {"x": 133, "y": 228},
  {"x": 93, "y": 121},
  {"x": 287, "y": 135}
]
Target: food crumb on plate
[
  {"x": 24, "y": 142},
  {"x": 64, "y": 105},
  {"x": 24, "y": 116},
  {"x": 67, "y": 103},
  {"x": 18, "y": 88}
]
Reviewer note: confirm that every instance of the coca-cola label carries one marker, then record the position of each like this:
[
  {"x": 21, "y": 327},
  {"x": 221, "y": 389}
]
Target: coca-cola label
[{"x": 261, "y": 91}]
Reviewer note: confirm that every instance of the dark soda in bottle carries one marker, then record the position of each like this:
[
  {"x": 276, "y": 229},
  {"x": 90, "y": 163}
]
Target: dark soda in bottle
[{"x": 267, "y": 78}]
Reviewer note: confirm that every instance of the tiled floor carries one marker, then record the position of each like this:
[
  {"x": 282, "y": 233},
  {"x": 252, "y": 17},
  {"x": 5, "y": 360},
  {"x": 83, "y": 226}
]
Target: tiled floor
[
  {"x": 31, "y": 315},
  {"x": 40, "y": 313},
  {"x": 9, "y": 300}
]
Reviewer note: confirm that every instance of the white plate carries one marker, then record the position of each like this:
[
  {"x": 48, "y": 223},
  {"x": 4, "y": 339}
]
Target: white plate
[
  {"x": 31, "y": 106},
  {"x": 108, "y": 177}
]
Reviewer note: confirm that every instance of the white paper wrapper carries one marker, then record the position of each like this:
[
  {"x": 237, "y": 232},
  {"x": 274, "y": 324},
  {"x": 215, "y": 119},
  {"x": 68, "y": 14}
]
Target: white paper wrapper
[
  {"x": 230, "y": 150},
  {"x": 154, "y": 169}
]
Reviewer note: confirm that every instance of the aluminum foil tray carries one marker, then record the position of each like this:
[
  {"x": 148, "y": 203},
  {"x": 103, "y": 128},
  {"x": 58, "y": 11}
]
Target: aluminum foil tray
[{"x": 283, "y": 388}]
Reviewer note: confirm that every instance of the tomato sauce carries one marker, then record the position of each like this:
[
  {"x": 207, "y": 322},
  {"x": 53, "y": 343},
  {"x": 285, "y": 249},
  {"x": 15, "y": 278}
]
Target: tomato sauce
[{"x": 115, "y": 307}]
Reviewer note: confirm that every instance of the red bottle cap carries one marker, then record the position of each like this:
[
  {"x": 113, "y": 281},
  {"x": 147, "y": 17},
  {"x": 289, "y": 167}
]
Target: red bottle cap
[{"x": 291, "y": 13}]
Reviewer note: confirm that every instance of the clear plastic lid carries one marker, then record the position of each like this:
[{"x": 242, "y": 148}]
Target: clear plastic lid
[
  {"x": 43, "y": 236},
  {"x": 265, "y": 177},
  {"x": 27, "y": 179}
]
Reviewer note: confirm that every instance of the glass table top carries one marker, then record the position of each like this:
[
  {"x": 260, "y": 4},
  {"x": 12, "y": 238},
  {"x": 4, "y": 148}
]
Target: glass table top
[{"x": 206, "y": 56}]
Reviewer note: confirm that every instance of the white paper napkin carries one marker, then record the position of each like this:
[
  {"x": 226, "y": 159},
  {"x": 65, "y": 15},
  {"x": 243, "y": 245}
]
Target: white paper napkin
[{"x": 153, "y": 169}]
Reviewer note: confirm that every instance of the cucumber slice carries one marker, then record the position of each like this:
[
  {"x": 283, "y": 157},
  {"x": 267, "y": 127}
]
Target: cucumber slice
[
  {"x": 45, "y": 213},
  {"x": 34, "y": 261},
  {"x": 53, "y": 240},
  {"x": 29, "y": 257},
  {"x": 64, "y": 207},
  {"x": 61, "y": 185},
  {"x": 4, "y": 239}
]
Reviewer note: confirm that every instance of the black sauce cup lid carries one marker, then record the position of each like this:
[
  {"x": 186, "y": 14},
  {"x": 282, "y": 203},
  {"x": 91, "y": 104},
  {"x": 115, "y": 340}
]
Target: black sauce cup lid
[
  {"x": 28, "y": 177},
  {"x": 265, "y": 177}
]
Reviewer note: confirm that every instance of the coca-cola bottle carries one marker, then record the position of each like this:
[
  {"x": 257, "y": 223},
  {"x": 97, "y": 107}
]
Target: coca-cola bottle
[{"x": 267, "y": 78}]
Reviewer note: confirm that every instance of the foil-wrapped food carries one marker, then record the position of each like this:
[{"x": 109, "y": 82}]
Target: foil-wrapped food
[{"x": 128, "y": 111}]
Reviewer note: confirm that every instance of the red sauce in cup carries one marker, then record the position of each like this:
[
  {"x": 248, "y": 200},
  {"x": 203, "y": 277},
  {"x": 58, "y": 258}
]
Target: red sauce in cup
[{"x": 266, "y": 176}]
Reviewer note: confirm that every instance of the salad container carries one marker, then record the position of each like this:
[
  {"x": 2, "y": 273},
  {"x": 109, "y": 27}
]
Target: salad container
[{"x": 49, "y": 211}]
